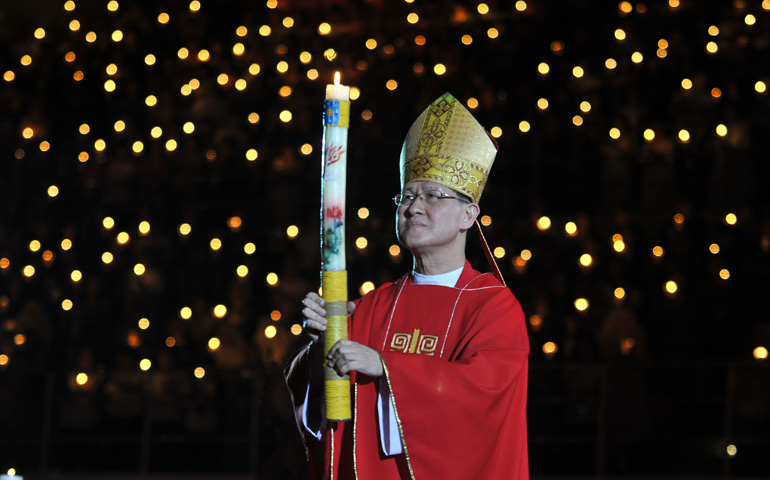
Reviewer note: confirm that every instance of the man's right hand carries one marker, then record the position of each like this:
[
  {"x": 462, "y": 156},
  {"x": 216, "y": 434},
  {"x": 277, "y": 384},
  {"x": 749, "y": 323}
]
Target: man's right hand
[{"x": 313, "y": 315}]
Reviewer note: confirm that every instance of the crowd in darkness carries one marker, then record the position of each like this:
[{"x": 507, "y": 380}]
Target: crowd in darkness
[{"x": 663, "y": 191}]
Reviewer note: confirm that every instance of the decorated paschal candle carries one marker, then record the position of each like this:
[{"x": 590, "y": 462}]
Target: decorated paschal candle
[{"x": 334, "y": 276}]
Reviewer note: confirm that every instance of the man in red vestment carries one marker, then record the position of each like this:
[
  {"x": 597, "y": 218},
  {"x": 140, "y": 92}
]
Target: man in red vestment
[{"x": 437, "y": 359}]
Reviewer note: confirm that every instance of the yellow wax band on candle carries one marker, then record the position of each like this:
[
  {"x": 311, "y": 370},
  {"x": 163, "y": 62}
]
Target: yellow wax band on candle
[{"x": 336, "y": 387}]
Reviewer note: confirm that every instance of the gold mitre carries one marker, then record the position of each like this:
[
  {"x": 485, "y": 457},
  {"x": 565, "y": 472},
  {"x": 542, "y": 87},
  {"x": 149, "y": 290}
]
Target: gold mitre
[{"x": 447, "y": 145}]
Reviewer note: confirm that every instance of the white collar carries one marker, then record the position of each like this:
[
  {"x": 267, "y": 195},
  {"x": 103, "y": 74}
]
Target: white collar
[{"x": 448, "y": 279}]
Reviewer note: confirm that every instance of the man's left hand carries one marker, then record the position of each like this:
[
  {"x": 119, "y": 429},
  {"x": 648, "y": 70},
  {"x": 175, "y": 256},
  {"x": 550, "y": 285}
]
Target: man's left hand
[{"x": 347, "y": 355}]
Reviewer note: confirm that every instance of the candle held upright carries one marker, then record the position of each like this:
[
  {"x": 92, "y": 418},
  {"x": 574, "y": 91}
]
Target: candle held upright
[{"x": 334, "y": 276}]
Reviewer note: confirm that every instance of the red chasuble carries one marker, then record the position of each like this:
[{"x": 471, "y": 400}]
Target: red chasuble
[{"x": 456, "y": 364}]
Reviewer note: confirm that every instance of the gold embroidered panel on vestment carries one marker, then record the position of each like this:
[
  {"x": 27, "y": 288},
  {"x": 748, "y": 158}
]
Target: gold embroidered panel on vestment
[{"x": 414, "y": 342}]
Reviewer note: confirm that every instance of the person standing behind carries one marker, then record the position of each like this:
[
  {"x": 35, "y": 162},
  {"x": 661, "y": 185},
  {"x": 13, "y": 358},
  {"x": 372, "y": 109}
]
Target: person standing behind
[{"x": 437, "y": 359}]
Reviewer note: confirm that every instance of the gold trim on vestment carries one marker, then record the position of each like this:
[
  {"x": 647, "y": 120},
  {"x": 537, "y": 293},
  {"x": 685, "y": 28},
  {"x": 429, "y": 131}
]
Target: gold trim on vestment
[
  {"x": 392, "y": 312},
  {"x": 398, "y": 419},
  {"x": 452, "y": 316},
  {"x": 331, "y": 450},
  {"x": 355, "y": 422},
  {"x": 449, "y": 325}
]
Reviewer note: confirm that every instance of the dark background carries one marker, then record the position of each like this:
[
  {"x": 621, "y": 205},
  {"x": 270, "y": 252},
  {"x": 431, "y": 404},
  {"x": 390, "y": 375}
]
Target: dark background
[{"x": 652, "y": 383}]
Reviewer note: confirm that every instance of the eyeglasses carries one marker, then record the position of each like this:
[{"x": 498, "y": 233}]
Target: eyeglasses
[{"x": 428, "y": 197}]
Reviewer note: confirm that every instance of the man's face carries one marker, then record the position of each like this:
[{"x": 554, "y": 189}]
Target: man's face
[{"x": 425, "y": 225}]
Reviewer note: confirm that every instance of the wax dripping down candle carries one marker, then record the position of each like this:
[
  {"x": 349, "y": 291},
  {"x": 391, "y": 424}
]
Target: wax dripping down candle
[{"x": 334, "y": 276}]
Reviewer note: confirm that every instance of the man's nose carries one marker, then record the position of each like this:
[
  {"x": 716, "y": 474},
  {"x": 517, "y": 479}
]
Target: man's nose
[{"x": 414, "y": 207}]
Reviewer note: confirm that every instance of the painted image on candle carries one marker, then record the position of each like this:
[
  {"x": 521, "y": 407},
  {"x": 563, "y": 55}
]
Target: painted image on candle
[
  {"x": 334, "y": 233},
  {"x": 334, "y": 212},
  {"x": 332, "y": 116}
]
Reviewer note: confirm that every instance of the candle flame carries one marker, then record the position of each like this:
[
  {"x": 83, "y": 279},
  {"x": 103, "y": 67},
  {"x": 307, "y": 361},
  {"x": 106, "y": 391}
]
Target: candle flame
[{"x": 336, "y": 78}]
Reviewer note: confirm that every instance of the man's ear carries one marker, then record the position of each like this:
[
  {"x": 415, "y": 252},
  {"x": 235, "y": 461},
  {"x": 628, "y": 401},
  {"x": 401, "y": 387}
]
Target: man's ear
[{"x": 470, "y": 214}]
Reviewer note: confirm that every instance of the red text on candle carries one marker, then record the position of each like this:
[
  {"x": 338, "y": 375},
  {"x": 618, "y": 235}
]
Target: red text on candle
[{"x": 333, "y": 154}]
